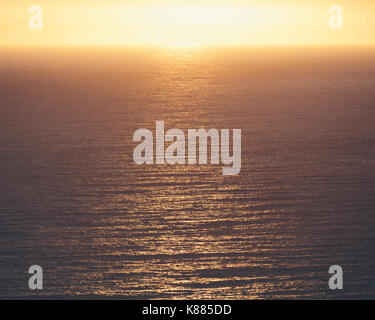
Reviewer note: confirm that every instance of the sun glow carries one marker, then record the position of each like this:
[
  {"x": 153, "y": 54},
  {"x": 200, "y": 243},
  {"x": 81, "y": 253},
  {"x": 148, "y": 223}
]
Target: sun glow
[
  {"x": 186, "y": 23},
  {"x": 191, "y": 25}
]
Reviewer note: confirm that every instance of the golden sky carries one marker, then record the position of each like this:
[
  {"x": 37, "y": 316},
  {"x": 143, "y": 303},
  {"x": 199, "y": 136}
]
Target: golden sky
[{"x": 187, "y": 22}]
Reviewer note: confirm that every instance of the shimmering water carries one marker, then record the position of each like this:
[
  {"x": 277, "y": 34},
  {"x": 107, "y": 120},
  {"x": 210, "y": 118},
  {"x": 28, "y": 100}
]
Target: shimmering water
[{"x": 73, "y": 201}]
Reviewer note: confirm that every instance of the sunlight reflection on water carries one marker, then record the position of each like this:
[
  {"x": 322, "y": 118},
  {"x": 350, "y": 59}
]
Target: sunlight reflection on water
[{"x": 75, "y": 203}]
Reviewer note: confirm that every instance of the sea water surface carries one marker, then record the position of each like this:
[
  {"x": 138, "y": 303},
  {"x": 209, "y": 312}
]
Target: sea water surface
[{"x": 73, "y": 201}]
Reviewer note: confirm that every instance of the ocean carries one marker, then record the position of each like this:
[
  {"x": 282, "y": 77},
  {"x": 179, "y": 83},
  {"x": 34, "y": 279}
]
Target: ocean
[{"x": 74, "y": 202}]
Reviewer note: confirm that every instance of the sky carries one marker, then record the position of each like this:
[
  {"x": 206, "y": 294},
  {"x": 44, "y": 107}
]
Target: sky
[{"x": 187, "y": 22}]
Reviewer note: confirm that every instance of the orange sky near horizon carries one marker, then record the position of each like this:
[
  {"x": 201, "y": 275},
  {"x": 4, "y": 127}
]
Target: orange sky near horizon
[{"x": 187, "y": 22}]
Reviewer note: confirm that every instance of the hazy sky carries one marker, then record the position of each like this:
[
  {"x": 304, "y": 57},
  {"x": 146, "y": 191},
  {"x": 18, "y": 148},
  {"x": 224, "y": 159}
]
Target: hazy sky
[{"x": 186, "y": 22}]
